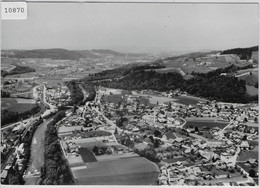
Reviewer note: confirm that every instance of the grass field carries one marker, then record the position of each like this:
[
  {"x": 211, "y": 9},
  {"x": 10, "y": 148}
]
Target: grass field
[
  {"x": 188, "y": 100},
  {"x": 116, "y": 98},
  {"x": 245, "y": 155},
  {"x": 17, "y": 104},
  {"x": 166, "y": 70},
  {"x": 251, "y": 90},
  {"x": 250, "y": 79},
  {"x": 159, "y": 99},
  {"x": 126, "y": 171},
  {"x": 170, "y": 135},
  {"x": 253, "y": 70}
]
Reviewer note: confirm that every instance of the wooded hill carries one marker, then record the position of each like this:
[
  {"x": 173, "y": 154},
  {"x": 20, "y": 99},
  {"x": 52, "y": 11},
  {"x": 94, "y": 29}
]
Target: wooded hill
[
  {"x": 243, "y": 53},
  {"x": 212, "y": 85}
]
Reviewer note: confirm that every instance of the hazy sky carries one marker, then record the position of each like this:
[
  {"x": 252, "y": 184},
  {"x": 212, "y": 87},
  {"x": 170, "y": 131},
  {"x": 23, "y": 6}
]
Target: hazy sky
[{"x": 133, "y": 27}]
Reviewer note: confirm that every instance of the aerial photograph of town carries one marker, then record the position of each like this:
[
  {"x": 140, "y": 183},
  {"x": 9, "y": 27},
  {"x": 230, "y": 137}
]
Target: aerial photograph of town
[{"x": 131, "y": 94}]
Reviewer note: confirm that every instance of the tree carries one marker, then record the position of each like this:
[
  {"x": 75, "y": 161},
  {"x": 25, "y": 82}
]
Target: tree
[
  {"x": 170, "y": 106},
  {"x": 252, "y": 173},
  {"x": 121, "y": 121},
  {"x": 116, "y": 131},
  {"x": 157, "y": 133},
  {"x": 13, "y": 179},
  {"x": 151, "y": 138},
  {"x": 156, "y": 143},
  {"x": 95, "y": 150},
  {"x": 74, "y": 108}
]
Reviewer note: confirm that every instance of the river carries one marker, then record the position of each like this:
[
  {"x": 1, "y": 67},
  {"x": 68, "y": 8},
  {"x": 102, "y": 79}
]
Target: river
[{"x": 37, "y": 154}]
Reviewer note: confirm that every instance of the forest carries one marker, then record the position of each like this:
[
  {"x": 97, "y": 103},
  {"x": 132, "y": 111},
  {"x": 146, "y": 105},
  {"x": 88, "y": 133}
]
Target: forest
[{"x": 76, "y": 94}]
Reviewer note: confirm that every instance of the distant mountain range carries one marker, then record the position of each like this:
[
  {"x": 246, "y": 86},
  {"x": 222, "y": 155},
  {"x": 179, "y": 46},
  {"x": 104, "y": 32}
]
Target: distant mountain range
[{"x": 58, "y": 53}]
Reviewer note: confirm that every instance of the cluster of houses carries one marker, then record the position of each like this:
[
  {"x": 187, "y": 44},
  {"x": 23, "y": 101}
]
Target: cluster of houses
[
  {"x": 217, "y": 174},
  {"x": 58, "y": 96}
]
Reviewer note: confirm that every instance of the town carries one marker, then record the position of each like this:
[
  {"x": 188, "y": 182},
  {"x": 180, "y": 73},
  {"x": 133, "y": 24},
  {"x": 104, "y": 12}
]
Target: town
[{"x": 201, "y": 142}]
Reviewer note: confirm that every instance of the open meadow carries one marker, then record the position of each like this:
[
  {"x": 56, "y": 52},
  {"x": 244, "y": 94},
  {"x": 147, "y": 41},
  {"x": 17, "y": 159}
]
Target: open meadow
[
  {"x": 125, "y": 171},
  {"x": 19, "y": 105}
]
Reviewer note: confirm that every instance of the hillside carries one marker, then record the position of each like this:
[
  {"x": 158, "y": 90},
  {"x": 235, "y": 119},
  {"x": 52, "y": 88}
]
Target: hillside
[
  {"x": 243, "y": 53},
  {"x": 44, "y": 53},
  {"x": 17, "y": 70},
  {"x": 64, "y": 54},
  {"x": 211, "y": 85}
]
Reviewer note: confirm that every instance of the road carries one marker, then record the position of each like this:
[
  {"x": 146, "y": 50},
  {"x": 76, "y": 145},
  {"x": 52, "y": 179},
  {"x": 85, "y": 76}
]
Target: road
[
  {"x": 246, "y": 73},
  {"x": 230, "y": 123},
  {"x": 27, "y": 121},
  {"x": 52, "y": 107},
  {"x": 109, "y": 121},
  {"x": 37, "y": 152}
]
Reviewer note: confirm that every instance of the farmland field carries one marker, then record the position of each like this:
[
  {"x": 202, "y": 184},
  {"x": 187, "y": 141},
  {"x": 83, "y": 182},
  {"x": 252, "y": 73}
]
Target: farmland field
[
  {"x": 87, "y": 155},
  {"x": 126, "y": 171},
  {"x": 17, "y": 104},
  {"x": 147, "y": 178}
]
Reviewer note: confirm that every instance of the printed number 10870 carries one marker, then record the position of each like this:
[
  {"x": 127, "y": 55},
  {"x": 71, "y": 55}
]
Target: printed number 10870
[{"x": 14, "y": 10}]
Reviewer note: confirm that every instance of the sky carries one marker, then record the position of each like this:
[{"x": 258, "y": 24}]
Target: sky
[{"x": 133, "y": 27}]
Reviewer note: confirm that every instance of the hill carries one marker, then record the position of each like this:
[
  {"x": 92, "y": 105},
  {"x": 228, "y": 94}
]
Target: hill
[
  {"x": 63, "y": 54},
  {"x": 243, "y": 53},
  {"x": 17, "y": 70},
  {"x": 44, "y": 53}
]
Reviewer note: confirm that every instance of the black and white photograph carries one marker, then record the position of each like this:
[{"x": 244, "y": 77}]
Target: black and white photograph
[{"x": 129, "y": 93}]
